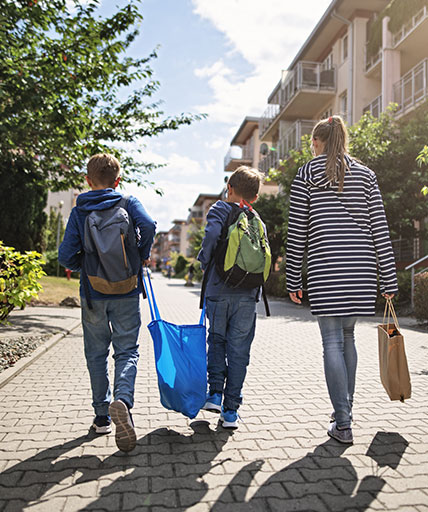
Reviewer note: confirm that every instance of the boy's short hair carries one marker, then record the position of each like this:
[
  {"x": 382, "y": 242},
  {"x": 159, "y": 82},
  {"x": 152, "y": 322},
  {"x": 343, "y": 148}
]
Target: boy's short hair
[
  {"x": 246, "y": 182},
  {"x": 103, "y": 169}
]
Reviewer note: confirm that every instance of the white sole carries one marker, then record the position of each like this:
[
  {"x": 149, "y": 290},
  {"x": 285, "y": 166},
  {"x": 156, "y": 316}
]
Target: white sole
[
  {"x": 209, "y": 406},
  {"x": 228, "y": 424},
  {"x": 102, "y": 430},
  {"x": 125, "y": 436}
]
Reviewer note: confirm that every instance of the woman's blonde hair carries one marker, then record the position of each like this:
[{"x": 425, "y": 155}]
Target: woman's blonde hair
[{"x": 333, "y": 134}]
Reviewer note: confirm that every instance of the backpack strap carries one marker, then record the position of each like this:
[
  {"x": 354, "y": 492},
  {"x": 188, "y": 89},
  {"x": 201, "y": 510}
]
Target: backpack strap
[
  {"x": 267, "y": 309},
  {"x": 124, "y": 204}
]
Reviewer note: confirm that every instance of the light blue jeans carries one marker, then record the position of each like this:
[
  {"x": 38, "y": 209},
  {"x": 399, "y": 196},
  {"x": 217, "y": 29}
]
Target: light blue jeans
[
  {"x": 232, "y": 323},
  {"x": 115, "y": 321},
  {"x": 340, "y": 364}
]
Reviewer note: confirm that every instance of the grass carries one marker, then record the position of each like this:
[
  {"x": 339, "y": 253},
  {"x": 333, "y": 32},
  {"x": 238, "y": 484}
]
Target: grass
[{"x": 55, "y": 289}]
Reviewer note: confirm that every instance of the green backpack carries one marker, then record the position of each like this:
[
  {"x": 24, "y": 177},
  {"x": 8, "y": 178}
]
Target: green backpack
[{"x": 242, "y": 256}]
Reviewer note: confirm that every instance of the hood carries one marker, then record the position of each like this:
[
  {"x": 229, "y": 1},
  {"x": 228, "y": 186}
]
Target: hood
[
  {"x": 98, "y": 200},
  {"x": 314, "y": 171}
]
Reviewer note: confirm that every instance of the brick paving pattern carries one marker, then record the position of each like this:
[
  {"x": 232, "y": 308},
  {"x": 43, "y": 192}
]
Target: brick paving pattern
[{"x": 280, "y": 459}]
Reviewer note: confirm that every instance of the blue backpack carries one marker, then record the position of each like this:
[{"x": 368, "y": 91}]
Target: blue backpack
[{"x": 111, "y": 259}]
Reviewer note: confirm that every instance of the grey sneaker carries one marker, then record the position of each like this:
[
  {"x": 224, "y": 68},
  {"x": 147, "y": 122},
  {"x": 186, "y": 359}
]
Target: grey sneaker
[
  {"x": 125, "y": 436},
  {"x": 342, "y": 435}
]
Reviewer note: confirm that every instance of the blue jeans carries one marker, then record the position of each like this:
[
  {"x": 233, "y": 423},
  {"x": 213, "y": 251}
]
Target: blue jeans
[
  {"x": 232, "y": 320},
  {"x": 115, "y": 321},
  {"x": 340, "y": 363}
]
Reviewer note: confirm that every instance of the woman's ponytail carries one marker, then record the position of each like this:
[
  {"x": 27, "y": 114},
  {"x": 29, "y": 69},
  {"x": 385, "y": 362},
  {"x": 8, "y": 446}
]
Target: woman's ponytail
[{"x": 333, "y": 134}]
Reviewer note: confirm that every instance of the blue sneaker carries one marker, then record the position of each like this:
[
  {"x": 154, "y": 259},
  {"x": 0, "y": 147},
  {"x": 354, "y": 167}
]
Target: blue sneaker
[
  {"x": 102, "y": 424},
  {"x": 213, "y": 402},
  {"x": 229, "y": 418}
]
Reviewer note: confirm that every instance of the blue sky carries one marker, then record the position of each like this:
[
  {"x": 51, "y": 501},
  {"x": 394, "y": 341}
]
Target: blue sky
[{"x": 220, "y": 57}]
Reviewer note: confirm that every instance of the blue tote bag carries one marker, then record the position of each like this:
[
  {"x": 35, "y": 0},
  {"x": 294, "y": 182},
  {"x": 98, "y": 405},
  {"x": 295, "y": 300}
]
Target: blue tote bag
[{"x": 181, "y": 360}]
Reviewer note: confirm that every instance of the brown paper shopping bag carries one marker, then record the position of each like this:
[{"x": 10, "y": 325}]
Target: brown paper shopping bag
[{"x": 394, "y": 372}]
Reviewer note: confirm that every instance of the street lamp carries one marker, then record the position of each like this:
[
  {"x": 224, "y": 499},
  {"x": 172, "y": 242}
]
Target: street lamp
[{"x": 60, "y": 205}]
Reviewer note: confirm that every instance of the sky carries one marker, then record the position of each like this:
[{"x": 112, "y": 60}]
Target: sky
[{"x": 218, "y": 57}]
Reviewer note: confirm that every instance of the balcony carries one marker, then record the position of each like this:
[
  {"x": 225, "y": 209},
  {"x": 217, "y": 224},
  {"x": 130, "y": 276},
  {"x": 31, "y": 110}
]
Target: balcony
[
  {"x": 412, "y": 88},
  {"x": 373, "y": 64},
  {"x": 271, "y": 160},
  {"x": 375, "y": 107},
  {"x": 413, "y": 23},
  {"x": 305, "y": 91},
  {"x": 293, "y": 137},
  {"x": 237, "y": 156}
]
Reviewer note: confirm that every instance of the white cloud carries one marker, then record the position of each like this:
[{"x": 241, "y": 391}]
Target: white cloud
[
  {"x": 267, "y": 35},
  {"x": 181, "y": 181}
]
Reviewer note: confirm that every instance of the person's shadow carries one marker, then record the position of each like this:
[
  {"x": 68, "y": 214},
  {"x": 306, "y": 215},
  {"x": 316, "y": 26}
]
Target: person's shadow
[
  {"x": 165, "y": 469},
  {"x": 322, "y": 480}
]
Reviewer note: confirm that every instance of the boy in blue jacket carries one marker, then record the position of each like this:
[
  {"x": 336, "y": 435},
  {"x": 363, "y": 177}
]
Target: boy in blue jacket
[
  {"x": 231, "y": 311},
  {"x": 106, "y": 318}
]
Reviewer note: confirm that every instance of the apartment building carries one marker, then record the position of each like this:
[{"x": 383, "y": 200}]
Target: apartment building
[
  {"x": 245, "y": 149},
  {"x": 361, "y": 56}
]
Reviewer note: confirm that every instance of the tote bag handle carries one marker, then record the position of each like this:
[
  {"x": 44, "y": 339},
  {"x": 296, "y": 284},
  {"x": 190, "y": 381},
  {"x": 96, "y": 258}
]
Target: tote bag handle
[
  {"x": 154, "y": 310},
  {"x": 391, "y": 312}
]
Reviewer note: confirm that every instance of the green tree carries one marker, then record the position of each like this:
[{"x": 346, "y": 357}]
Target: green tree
[
  {"x": 274, "y": 212},
  {"x": 196, "y": 235},
  {"x": 67, "y": 91}
]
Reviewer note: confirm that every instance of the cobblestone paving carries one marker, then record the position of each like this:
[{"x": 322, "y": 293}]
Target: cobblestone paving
[{"x": 280, "y": 459}]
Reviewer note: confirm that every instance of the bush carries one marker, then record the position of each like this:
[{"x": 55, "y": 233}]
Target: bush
[
  {"x": 19, "y": 276},
  {"x": 180, "y": 265},
  {"x": 421, "y": 297},
  {"x": 51, "y": 259}
]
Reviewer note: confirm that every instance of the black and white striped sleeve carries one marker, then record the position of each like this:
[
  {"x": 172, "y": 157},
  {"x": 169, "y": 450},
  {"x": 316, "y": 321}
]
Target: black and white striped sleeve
[
  {"x": 382, "y": 241},
  {"x": 297, "y": 233}
]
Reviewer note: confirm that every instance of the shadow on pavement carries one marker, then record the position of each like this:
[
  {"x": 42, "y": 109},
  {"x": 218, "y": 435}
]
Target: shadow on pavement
[
  {"x": 321, "y": 480},
  {"x": 163, "y": 464}
]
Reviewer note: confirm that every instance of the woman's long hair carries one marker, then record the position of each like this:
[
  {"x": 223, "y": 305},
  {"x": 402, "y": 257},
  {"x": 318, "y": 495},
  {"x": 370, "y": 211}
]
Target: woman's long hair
[{"x": 333, "y": 133}]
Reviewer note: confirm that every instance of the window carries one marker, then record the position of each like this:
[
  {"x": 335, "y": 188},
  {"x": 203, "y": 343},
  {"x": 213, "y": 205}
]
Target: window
[
  {"x": 344, "y": 48},
  {"x": 343, "y": 104},
  {"x": 328, "y": 62},
  {"x": 327, "y": 113}
]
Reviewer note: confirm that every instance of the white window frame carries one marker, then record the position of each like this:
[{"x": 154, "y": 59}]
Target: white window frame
[
  {"x": 327, "y": 62},
  {"x": 344, "y": 47},
  {"x": 343, "y": 105}
]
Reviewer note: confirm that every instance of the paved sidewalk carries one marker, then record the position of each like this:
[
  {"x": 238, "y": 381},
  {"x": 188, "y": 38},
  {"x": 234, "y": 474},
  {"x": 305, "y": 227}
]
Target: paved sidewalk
[{"x": 279, "y": 460}]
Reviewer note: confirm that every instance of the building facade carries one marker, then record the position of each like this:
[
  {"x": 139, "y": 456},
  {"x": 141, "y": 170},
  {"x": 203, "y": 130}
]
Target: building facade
[
  {"x": 361, "y": 56},
  {"x": 247, "y": 149}
]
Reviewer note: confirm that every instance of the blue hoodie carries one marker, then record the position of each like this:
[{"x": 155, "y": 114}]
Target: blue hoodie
[{"x": 71, "y": 249}]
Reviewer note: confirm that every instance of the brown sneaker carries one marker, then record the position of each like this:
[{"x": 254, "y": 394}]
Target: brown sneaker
[{"x": 125, "y": 436}]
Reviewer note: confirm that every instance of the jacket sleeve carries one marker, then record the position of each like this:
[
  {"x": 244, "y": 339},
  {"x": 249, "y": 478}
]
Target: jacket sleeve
[
  {"x": 215, "y": 220},
  {"x": 381, "y": 240},
  {"x": 144, "y": 225},
  {"x": 71, "y": 249},
  {"x": 297, "y": 233}
]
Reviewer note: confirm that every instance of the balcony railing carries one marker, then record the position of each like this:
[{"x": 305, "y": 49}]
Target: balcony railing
[
  {"x": 410, "y": 25},
  {"x": 373, "y": 60},
  {"x": 293, "y": 137},
  {"x": 412, "y": 87},
  {"x": 308, "y": 76},
  {"x": 239, "y": 153},
  {"x": 268, "y": 117},
  {"x": 375, "y": 107},
  {"x": 269, "y": 161}
]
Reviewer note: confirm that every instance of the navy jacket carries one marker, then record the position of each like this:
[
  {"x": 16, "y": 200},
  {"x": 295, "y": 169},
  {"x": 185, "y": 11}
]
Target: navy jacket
[
  {"x": 216, "y": 218},
  {"x": 71, "y": 249}
]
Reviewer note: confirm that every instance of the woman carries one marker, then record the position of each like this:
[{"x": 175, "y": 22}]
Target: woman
[{"x": 336, "y": 208}]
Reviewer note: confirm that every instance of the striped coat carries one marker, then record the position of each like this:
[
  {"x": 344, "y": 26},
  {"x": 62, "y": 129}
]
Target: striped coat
[{"x": 347, "y": 239}]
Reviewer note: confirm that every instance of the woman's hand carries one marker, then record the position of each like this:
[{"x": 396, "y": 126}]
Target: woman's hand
[
  {"x": 296, "y": 296},
  {"x": 388, "y": 295}
]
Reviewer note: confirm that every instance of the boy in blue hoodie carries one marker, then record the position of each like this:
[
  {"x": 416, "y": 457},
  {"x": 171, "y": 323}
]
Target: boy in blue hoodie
[
  {"x": 231, "y": 311},
  {"x": 106, "y": 318}
]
